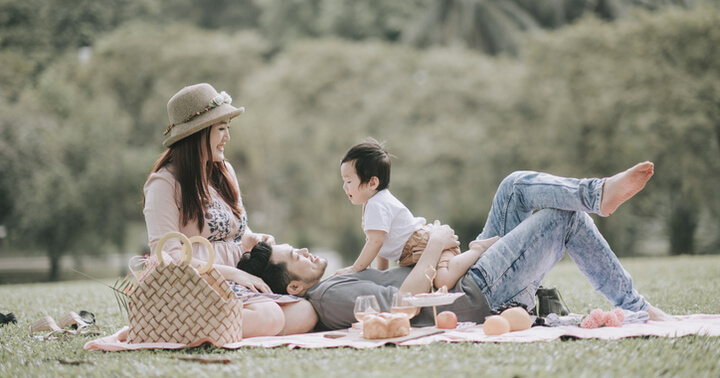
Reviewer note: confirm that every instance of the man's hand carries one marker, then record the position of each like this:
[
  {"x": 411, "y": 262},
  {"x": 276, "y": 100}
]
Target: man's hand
[
  {"x": 441, "y": 237},
  {"x": 444, "y": 234}
]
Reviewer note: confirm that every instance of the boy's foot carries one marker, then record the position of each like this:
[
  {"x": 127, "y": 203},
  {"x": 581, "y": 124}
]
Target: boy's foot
[{"x": 621, "y": 187}]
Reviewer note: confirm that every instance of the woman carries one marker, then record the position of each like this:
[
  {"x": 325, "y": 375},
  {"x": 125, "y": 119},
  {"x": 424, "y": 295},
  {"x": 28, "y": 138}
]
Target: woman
[{"x": 193, "y": 190}]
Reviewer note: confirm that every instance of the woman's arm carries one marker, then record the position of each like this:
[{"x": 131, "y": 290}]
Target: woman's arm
[
  {"x": 262, "y": 319},
  {"x": 441, "y": 238},
  {"x": 300, "y": 317},
  {"x": 458, "y": 265},
  {"x": 161, "y": 212}
]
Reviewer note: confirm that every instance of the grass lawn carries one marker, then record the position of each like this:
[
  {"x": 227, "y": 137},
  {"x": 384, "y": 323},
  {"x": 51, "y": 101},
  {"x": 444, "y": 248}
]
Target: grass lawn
[{"x": 678, "y": 285}]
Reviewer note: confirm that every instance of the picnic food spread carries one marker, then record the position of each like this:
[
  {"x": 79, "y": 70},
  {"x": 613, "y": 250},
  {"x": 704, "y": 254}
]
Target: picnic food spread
[
  {"x": 512, "y": 319},
  {"x": 385, "y": 325},
  {"x": 518, "y": 318}
]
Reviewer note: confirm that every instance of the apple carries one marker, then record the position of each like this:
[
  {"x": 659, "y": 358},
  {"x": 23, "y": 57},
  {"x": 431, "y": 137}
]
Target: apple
[{"x": 447, "y": 320}]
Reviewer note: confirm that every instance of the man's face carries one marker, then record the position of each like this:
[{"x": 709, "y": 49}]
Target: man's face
[{"x": 300, "y": 263}]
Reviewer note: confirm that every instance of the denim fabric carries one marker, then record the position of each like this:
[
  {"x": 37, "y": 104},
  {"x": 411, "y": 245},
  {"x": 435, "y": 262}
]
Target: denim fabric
[{"x": 538, "y": 217}]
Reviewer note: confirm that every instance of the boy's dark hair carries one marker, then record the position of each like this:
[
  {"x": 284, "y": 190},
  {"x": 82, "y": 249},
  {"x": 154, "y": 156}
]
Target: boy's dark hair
[
  {"x": 258, "y": 263},
  {"x": 370, "y": 159}
]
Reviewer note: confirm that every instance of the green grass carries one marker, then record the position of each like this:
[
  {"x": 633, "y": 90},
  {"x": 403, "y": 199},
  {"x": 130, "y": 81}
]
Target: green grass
[{"x": 679, "y": 285}]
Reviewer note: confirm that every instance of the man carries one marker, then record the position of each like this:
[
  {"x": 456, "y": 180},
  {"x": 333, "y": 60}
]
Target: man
[{"x": 537, "y": 217}]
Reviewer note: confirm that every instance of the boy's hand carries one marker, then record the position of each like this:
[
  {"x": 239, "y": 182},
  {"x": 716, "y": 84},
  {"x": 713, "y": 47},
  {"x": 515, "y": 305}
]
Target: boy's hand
[{"x": 347, "y": 270}]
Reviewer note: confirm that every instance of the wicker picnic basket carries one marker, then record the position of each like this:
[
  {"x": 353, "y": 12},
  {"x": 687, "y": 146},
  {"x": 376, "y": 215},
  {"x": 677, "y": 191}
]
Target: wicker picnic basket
[{"x": 175, "y": 303}]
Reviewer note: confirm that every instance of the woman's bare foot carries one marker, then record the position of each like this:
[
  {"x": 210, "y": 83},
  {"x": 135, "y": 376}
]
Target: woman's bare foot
[
  {"x": 658, "y": 315},
  {"x": 624, "y": 185}
]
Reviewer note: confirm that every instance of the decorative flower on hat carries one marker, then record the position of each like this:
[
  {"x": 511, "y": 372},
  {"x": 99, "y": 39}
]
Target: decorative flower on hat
[{"x": 222, "y": 98}]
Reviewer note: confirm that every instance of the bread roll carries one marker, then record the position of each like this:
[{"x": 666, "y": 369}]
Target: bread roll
[{"x": 385, "y": 325}]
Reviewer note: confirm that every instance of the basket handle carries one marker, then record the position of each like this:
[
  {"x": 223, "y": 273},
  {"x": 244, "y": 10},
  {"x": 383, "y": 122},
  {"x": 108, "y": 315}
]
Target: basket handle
[
  {"x": 211, "y": 253},
  {"x": 184, "y": 255}
]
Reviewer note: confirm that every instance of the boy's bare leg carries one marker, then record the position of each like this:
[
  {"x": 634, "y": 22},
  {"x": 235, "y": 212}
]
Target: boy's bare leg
[
  {"x": 622, "y": 186},
  {"x": 459, "y": 265}
]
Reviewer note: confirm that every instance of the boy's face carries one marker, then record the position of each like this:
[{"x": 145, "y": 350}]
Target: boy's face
[{"x": 356, "y": 192}]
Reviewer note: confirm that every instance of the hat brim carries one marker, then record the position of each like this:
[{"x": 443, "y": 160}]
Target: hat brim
[{"x": 202, "y": 121}]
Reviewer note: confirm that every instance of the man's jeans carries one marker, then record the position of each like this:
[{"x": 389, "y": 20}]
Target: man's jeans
[{"x": 538, "y": 216}]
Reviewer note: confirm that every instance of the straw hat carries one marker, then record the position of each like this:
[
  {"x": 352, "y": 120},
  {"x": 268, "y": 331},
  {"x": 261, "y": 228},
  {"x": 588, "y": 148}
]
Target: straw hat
[{"x": 195, "y": 108}]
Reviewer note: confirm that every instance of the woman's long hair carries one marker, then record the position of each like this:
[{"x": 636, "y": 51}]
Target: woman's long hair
[{"x": 185, "y": 158}]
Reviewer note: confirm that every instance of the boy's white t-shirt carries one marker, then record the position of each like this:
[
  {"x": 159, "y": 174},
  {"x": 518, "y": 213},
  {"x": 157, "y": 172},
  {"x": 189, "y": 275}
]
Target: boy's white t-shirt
[{"x": 384, "y": 212}]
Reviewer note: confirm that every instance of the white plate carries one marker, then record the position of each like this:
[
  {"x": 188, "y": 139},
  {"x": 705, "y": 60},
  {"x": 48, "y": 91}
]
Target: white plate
[{"x": 435, "y": 300}]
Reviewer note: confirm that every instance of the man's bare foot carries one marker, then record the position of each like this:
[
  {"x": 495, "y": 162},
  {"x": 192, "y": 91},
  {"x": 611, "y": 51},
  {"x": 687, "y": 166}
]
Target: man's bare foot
[
  {"x": 658, "y": 315},
  {"x": 621, "y": 187},
  {"x": 484, "y": 244}
]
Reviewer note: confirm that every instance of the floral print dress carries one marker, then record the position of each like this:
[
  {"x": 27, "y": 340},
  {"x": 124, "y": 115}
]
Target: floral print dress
[{"x": 162, "y": 215}]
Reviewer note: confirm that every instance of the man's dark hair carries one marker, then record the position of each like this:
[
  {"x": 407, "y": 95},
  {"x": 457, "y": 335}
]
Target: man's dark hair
[
  {"x": 258, "y": 263},
  {"x": 370, "y": 159}
]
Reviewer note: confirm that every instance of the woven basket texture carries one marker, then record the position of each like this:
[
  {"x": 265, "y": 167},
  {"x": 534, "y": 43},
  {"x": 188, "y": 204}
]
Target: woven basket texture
[{"x": 176, "y": 304}]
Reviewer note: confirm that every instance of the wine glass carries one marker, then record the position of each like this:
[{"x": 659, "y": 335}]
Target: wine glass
[
  {"x": 402, "y": 304},
  {"x": 365, "y": 305}
]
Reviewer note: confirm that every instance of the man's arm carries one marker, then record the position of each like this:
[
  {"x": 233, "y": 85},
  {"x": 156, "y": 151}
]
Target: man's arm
[{"x": 441, "y": 237}]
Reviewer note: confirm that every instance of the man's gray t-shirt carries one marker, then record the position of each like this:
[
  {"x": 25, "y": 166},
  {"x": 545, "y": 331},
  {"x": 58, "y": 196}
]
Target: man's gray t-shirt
[{"x": 334, "y": 298}]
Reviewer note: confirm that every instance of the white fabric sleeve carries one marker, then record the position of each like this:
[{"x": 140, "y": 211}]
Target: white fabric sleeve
[{"x": 377, "y": 217}]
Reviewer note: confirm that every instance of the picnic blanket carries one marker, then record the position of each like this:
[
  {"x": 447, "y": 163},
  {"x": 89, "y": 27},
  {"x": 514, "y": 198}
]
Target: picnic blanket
[{"x": 708, "y": 325}]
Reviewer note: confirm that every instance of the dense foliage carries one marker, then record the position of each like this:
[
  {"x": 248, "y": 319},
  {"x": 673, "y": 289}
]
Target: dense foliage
[{"x": 83, "y": 92}]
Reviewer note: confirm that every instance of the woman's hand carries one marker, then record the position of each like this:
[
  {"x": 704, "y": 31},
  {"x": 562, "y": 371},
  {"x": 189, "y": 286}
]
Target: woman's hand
[
  {"x": 254, "y": 283},
  {"x": 250, "y": 239}
]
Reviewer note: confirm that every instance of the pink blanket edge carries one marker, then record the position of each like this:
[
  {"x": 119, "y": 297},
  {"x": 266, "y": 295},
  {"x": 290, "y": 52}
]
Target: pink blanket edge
[{"x": 698, "y": 324}]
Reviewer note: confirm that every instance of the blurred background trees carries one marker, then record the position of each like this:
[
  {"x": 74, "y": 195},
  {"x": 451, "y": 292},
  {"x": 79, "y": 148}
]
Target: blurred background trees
[{"x": 462, "y": 91}]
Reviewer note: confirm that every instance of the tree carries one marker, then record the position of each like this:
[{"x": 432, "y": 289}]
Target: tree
[
  {"x": 660, "y": 106},
  {"x": 74, "y": 182},
  {"x": 499, "y": 26}
]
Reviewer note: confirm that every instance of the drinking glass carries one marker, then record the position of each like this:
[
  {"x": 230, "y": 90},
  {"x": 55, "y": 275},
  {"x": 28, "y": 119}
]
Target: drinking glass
[
  {"x": 365, "y": 305},
  {"x": 401, "y": 304}
]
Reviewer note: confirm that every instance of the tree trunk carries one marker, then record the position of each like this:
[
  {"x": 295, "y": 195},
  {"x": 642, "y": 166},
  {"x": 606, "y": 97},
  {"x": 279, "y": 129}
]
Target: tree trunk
[
  {"x": 682, "y": 225},
  {"x": 54, "y": 254},
  {"x": 56, "y": 250}
]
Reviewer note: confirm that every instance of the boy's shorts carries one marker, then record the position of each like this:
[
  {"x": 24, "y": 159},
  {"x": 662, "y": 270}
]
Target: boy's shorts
[{"x": 416, "y": 245}]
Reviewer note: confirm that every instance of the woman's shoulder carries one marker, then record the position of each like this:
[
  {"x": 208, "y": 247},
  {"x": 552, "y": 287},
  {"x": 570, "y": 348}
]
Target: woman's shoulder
[
  {"x": 232, "y": 173},
  {"x": 164, "y": 176}
]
